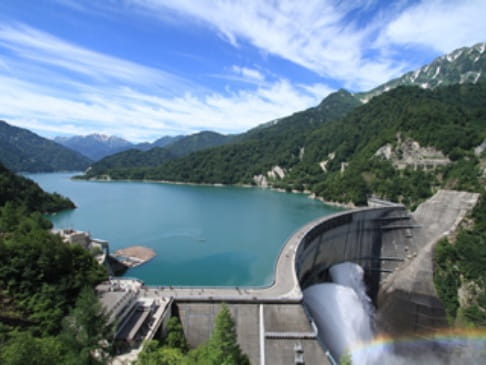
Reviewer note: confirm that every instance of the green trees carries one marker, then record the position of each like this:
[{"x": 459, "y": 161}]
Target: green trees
[
  {"x": 40, "y": 280},
  {"x": 20, "y": 191},
  {"x": 451, "y": 119},
  {"x": 221, "y": 349},
  {"x": 461, "y": 265},
  {"x": 85, "y": 330},
  {"x": 41, "y": 274},
  {"x": 175, "y": 335},
  {"x": 83, "y": 340},
  {"x": 24, "y": 348}
]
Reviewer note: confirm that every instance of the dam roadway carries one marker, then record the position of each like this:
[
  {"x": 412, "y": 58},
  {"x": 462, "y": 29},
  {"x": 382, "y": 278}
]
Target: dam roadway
[{"x": 286, "y": 287}]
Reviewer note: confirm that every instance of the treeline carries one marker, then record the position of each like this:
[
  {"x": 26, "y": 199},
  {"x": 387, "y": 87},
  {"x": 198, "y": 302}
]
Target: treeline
[
  {"x": 460, "y": 265},
  {"x": 155, "y": 156},
  {"x": 452, "y": 119},
  {"x": 251, "y": 153},
  {"x": 222, "y": 347},
  {"x": 49, "y": 313},
  {"x": 23, "y": 192}
]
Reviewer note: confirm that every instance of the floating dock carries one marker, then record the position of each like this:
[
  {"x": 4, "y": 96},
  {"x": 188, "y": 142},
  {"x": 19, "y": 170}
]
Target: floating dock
[{"x": 134, "y": 256}]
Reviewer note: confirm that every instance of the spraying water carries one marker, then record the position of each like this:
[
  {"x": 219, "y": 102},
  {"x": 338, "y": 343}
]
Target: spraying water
[{"x": 343, "y": 312}]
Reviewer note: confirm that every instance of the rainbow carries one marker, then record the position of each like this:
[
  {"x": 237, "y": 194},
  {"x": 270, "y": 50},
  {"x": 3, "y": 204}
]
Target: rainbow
[{"x": 473, "y": 341}]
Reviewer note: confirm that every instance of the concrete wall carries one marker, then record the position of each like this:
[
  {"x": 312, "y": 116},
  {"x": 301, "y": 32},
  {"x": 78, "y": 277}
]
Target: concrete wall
[{"x": 356, "y": 236}]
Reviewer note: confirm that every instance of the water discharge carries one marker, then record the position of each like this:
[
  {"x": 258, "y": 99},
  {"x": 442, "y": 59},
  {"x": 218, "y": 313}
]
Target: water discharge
[{"x": 343, "y": 314}]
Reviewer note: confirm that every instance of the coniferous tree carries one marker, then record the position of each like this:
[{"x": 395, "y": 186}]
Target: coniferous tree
[
  {"x": 223, "y": 347},
  {"x": 86, "y": 332}
]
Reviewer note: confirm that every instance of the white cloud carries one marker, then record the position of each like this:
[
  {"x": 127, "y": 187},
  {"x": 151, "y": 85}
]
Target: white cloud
[
  {"x": 325, "y": 37},
  {"x": 57, "y": 87},
  {"x": 442, "y": 25},
  {"x": 53, "y": 85},
  {"x": 32, "y": 45},
  {"x": 318, "y": 35},
  {"x": 248, "y": 73},
  {"x": 140, "y": 116}
]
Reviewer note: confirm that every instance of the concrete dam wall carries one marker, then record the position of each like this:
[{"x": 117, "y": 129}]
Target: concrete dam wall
[
  {"x": 394, "y": 248},
  {"x": 374, "y": 238}
]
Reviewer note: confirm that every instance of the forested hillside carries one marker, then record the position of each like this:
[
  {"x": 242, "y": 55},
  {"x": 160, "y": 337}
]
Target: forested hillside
[
  {"x": 131, "y": 159},
  {"x": 336, "y": 159},
  {"x": 22, "y": 150},
  {"x": 451, "y": 119},
  {"x": 23, "y": 192},
  {"x": 46, "y": 295},
  {"x": 257, "y": 150},
  {"x": 176, "y": 147},
  {"x": 459, "y": 276}
]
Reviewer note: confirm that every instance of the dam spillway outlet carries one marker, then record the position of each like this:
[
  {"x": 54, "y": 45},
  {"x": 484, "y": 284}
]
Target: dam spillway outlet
[{"x": 342, "y": 312}]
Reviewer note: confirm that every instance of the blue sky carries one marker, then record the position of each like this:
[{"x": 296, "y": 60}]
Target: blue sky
[{"x": 142, "y": 69}]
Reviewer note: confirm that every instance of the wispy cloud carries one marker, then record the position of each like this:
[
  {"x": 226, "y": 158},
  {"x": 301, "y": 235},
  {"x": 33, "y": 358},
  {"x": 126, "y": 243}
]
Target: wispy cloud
[
  {"x": 442, "y": 25},
  {"x": 55, "y": 86},
  {"x": 334, "y": 38},
  {"x": 319, "y": 36},
  {"x": 250, "y": 74},
  {"x": 29, "y": 44},
  {"x": 140, "y": 116},
  {"x": 40, "y": 90}
]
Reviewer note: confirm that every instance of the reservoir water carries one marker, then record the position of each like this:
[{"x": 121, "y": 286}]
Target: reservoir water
[{"x": 203, "y": 235}]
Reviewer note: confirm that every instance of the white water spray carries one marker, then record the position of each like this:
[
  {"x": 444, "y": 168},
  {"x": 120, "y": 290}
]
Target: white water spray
[{"x": 343, "y": 312}]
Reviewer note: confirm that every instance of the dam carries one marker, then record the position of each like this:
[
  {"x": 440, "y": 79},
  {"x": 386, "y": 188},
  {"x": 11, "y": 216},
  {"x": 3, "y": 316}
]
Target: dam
[{"x": 393, "y": 246}]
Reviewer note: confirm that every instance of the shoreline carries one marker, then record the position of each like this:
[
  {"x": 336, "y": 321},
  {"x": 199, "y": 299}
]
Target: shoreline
[{"x": 309, "y": 194}]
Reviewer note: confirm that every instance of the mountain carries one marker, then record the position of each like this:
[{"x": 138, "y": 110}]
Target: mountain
[
  {"x": 174, "y": 147},
  {"x": 464, "y": 65},
  {"x": 244, "y": 155},
  {"x": 399, "y": 145},
  {"x": 130, "y": 159},
  {"x": 22, "y": 150},
  {"x": 95, "y": 146},
  {"x": 161, "y": 142},
  {"x": 167, "y": 141},
  {"x": 197, "y": 142}
]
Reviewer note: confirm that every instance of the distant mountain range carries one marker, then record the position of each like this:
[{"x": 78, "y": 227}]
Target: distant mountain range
[
  {"x": 95, "y": 146},
  {"x": 174, "y": 147},
  {"x": 281, "y": 142},
  {"x": 22, "y": 150},
  {"x": 351, "y": 145}
]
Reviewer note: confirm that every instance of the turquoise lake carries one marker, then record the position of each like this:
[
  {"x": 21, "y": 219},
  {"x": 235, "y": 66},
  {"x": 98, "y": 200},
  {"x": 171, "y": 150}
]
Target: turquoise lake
[{"x": 203, "y": 235}]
